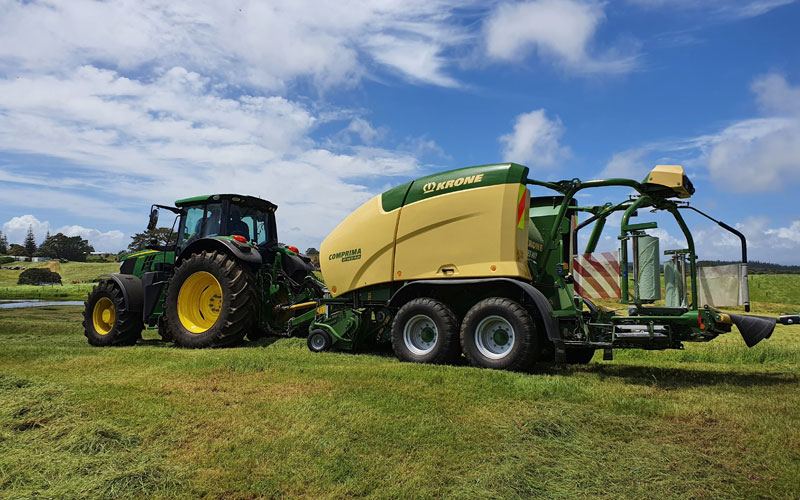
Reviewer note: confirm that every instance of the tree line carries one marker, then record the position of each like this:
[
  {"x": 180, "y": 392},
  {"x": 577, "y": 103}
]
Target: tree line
[{"x": 57, "y": 246}]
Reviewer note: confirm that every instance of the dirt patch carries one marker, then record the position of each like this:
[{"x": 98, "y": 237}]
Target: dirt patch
[{"x": 54, "y": 266}]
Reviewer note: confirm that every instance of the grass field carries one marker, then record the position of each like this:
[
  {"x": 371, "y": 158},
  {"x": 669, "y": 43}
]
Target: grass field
[
  {"x": 272, "y": 420},
  {"x": 82, "y": 272}
]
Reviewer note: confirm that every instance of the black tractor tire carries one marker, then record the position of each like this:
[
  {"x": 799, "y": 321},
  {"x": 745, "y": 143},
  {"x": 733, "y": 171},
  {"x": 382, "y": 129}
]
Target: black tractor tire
[
  {"x": 214, "y": 312},
  {"x": 425, "y": 330},
  {"x": 499, "y": 333},
  {"x": 579, "y": 355},
  {"x": 318, "y": 340},
  {"x": 107, "y": 321},
  {"x": 163, "y": 329}
]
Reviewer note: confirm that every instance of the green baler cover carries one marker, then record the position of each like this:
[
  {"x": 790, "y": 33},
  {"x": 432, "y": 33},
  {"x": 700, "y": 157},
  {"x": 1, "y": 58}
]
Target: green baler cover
[
  {"x": 649, "y": 285},
  {"x": 673, "y": 285}
]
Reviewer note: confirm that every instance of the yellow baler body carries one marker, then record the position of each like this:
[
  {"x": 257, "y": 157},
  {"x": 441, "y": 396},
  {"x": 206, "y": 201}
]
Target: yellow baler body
[{"x": 465, "y": 223}]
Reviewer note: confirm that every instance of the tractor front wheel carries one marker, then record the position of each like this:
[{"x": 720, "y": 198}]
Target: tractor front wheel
[
  {"x": 107, "y": 321},
  {"x": 211, "y": 301}
]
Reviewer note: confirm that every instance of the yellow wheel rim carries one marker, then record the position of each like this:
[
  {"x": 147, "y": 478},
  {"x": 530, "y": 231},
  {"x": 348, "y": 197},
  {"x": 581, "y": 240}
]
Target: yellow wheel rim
[
  {"x": 199, "y": 302},
  {"x": 103, "y": 316}
]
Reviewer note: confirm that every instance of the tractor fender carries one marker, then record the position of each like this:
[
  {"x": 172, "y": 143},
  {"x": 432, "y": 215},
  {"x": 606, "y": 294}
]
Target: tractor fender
[
  {"x": 539, "y": 300},
  {"x": 245, "y": 253},
  {"x": 132, "y": 290}
]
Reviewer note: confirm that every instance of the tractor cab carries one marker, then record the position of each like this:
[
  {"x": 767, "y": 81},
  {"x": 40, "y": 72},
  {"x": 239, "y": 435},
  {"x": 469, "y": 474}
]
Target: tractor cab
[{"x": 245, "y": 218}]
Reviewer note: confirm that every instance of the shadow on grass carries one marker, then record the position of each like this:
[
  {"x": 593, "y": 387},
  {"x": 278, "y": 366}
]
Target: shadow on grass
[{"x": 680, "y": 377}]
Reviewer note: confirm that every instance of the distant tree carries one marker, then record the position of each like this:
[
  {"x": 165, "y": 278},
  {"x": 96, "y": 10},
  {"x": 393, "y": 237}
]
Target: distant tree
[
  {"x": 3, "y": 243},
  {"x": 140, "y": 241},
  {"x": 60, "y": 246},
  {"x": 30, "y": 242},
  {"x": 17, "y": 250},
  {"x": 313, "y": 254},
  {"x": 46, "y": 236}
]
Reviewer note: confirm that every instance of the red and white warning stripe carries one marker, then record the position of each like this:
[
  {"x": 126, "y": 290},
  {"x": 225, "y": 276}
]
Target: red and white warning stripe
[{"x": 597, "y": 275}]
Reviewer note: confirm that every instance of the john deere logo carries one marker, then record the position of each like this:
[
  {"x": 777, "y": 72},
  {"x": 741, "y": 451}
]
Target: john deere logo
[
  {"x": 432, "y": 186},
  {"x": 347, "y": 255}
]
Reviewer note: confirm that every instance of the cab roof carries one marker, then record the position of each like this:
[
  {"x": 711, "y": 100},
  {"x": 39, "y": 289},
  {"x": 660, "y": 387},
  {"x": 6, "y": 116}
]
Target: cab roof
[{"x": 237, "y": 198}]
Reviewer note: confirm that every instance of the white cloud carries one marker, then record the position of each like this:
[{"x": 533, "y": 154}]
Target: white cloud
[
  {"x": 419, "y": 60},
  {"x": 719, "y": 8},
  {"x": 110, "y": 241},
  {"x": 775, "y": 95},
  {"x": 561, "y": 30},
  {"x": 248, "y": 42},
  {"x": 138, "y": 142},
  {"x": 765, "y": 242},
  {"x": 758, "y": 154},
  {"x": 629, "y": 164},
  {"x": 16, "y": 229},
  {"x": 535, "y": 141}
]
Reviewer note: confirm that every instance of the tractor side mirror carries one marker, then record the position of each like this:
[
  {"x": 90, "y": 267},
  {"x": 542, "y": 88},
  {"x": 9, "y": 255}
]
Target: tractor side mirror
[{"x": 153, "y": 219}]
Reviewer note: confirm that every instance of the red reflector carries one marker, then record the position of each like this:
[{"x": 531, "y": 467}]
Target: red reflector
[
  {"x": 240, "y": 238},
  {"x": 293, "y": 249}
]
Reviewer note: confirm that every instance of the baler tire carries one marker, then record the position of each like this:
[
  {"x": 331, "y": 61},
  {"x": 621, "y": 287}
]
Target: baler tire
[
  {"x": 119, "y": 326},
  {"x": 221, "y": 286},
  {"x": 315, "y": 337},
  {"x": 580, "y": 355},
  {"x": 491, "y": 352},
  {"x": 430, "y": 312}
]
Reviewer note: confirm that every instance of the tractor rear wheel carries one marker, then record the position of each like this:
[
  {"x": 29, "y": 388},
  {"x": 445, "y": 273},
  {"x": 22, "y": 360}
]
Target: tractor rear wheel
[
  {"x": 211, "y": 301},
  {"x": 163, "y": 329},
  {"x": 425, "y": 331},
  {"x": 107, "y": 320},
  {"x": 499, "y": 333}
]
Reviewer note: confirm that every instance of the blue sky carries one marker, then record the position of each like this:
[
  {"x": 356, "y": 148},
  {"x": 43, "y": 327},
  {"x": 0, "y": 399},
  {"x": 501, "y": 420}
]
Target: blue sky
[{"x": 107, "y": 107}]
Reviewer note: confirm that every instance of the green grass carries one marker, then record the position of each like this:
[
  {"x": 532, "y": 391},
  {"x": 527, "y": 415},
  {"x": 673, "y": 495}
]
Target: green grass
[
  {"x": 271, "y": 420},
  {"x": 81, "y": 272}
]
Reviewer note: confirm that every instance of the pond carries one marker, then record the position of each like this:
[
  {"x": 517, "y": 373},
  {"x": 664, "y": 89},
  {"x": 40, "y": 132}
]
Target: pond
[{"x": 14, "y": 304}]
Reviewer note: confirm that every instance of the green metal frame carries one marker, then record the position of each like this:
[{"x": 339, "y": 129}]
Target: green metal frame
[{"x": 570, "y": 188}]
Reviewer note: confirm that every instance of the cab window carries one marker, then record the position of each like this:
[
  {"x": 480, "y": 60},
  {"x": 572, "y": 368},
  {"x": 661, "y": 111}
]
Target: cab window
[
  {"x": 202, "y": 220},
  {"x": 250, "y": 223}
]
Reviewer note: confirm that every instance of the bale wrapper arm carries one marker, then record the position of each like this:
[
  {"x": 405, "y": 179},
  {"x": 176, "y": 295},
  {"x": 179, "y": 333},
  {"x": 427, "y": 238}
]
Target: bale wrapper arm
[{"x": 645, "y": 326}]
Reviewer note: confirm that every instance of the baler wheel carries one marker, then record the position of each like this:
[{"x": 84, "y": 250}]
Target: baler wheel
[
  {"x": 107, "y": 320},
  {"x": 211, "y": 301},
  {"x": 499, "y": 333},
  {"x": 318, "y": 340},
  {"x": 425, "y": 331}
]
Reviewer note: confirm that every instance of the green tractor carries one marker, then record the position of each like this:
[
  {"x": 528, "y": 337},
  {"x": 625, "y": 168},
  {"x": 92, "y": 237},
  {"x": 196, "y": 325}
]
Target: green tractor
[{"x": 223, "y": 276}]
